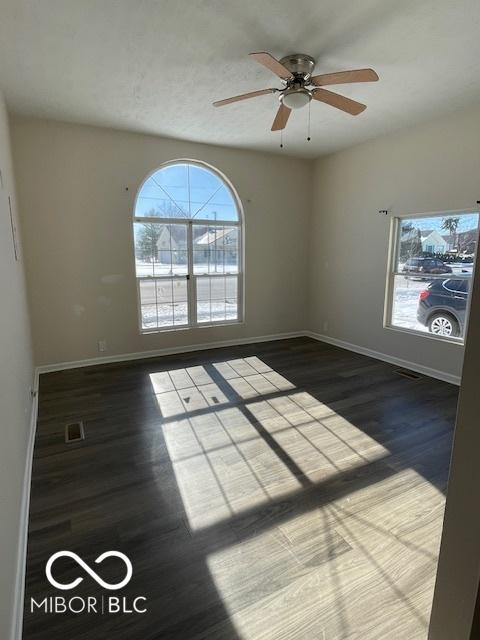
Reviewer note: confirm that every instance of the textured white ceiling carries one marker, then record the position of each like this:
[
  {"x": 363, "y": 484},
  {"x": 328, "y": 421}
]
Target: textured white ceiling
[{"x": 156, "y": 66}]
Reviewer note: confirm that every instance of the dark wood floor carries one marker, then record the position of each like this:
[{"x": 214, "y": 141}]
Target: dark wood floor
[{"x": 280, "y": 491}]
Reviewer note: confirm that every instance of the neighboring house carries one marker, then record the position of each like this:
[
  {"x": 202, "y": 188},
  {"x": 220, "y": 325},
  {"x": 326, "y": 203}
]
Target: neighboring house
[
  {"x": 222, "y": 239},
  {"x": 166, "y": 246},
  {"x": 450, "y": 242},
  {"x": 467, "y": 242},
  {"x": 433, "y": 242},
  {"x": 464, "y": 243}
]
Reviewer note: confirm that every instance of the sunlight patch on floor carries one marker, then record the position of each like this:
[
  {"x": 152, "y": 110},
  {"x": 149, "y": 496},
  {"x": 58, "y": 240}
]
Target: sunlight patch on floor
[
  {"x": 188, "y": 400},
  {"x": 240, "y": 434},
  {"x": 223, "y": 467}
]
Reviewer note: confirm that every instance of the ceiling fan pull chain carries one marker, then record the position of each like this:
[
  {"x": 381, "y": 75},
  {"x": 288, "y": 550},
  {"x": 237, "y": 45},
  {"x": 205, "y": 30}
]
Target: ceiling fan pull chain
[
  {"x": 281, "y": 138},
  {"x": 308, "y": 132}
]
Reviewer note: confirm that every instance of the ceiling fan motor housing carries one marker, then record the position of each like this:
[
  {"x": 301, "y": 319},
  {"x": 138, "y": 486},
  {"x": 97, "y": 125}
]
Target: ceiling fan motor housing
[
  {"x": 299, "y": 64},
  {"x": 296, "y": 95}
]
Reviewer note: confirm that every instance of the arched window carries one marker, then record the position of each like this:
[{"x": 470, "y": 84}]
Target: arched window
[{"x": 188, "y": 248}]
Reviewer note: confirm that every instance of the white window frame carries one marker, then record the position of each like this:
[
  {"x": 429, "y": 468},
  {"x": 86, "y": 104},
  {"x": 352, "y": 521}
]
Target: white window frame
[
  {"x": 393, "y": 249},
  {"x": 191, "y": 277}
]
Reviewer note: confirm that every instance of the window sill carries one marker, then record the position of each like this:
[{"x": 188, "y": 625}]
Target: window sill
[
  {"x": 430, "y": 336},
  {"x": 144, "y": 332}
]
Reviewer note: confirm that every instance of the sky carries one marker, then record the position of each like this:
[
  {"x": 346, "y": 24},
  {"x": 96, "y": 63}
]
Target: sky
[
  {"x": 468, "y": 221},
  {"x": 182, "y": 190}
]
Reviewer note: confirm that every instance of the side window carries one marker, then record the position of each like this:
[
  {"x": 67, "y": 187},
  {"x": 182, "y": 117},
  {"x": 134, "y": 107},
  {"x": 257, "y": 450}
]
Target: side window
[
  {"x": 452, "y": 285},
  {"x": 413, "y": 298}
]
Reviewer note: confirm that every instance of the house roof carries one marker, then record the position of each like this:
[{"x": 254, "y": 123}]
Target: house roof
[
  {"x": 212, "y": 235},
  {"x": 428, "y": 233},
  {"x": 175, "y": 232}
]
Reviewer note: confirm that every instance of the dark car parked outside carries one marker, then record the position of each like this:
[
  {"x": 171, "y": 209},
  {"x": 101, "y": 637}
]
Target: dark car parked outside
[
  {"x": 442, "y": 307},
  {"x": 417, "y": 267}
]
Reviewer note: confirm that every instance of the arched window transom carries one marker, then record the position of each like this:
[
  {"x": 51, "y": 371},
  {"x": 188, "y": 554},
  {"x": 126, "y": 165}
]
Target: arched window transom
[{"x": 188, "y": 248}]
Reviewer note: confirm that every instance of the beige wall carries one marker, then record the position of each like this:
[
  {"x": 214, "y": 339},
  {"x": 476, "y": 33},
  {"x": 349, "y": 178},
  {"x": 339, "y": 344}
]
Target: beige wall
[
  {"x": 76, "y": 216},
  {"x": 76, "y": 220},
  {"x": 434, "y": 167},
  {"x": 16, "y": 378}
]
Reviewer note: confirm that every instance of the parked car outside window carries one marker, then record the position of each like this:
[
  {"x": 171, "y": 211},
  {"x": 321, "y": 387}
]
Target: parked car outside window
[
  {"x": 434, "y": 266},
  {"x": 442, "y": 307}
]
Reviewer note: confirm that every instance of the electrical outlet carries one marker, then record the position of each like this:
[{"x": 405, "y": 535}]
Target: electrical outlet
[{"x": 102, "y": 345}]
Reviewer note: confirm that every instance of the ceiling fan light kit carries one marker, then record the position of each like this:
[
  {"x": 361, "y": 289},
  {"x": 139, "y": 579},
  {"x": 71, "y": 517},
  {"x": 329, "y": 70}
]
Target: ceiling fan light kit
[
  {"x": 300, "y": 86},
  {"x": 295, "y": 98}
]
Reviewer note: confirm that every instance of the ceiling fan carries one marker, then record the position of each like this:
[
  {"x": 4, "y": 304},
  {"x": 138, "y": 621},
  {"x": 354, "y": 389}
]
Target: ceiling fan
[{"x": 300, "y": 86}]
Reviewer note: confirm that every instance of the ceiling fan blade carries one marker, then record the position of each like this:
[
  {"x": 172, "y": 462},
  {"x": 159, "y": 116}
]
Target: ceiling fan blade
[
  {"x": 343, "y": 77},
  {"x": 340, "y": 102},
  {"x": 243, "y": 96},
  {"x": 281, "y": 118},
  {"x": 273, "y": 64}
]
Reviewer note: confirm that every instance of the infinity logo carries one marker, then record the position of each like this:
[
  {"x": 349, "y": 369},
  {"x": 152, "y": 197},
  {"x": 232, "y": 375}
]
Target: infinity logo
[{"x": 86, "y": 568}]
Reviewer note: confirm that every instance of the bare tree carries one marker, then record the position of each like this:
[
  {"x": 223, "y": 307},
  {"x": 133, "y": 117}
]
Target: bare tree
[{"x": 411, "y": 242}]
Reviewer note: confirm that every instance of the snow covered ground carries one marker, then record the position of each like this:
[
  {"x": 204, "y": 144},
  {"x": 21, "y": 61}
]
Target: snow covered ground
[
  {"x": 164, "y": 301},
  {"x": 149, "y": 269},
  {"x": 405, "y": 303}
]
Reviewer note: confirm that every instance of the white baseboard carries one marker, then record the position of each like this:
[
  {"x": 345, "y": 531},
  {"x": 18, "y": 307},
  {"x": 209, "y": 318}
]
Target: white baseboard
[
  {"x": 405, "y": 364},
  {"x": 123, "y": 357},
  {"x": 19, "y": 594},
  {"x": 75, "y": 364}
]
